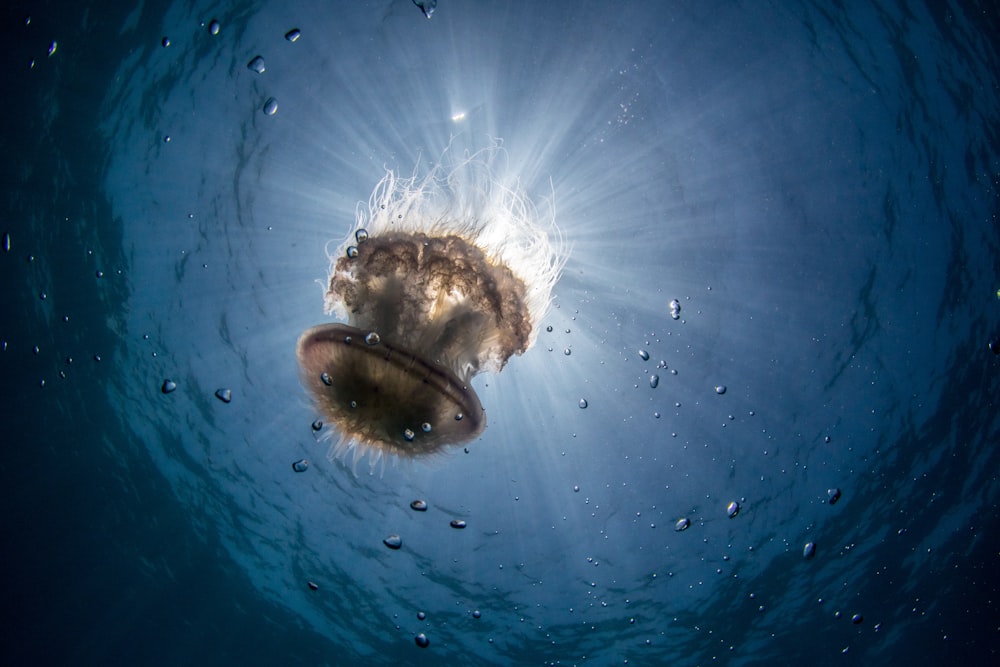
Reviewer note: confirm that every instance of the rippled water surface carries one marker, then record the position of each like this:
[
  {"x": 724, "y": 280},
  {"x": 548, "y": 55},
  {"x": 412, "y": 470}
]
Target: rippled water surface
[{"x": 776, "y": 316}]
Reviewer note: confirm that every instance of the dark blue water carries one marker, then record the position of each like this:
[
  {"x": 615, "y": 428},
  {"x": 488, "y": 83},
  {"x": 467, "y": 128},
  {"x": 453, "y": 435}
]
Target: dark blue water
[{"x": 815, "y": 184}]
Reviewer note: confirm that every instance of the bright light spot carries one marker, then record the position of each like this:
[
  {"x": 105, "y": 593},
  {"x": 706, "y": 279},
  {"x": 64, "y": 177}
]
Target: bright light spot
[{"x": 459, "y": 116}]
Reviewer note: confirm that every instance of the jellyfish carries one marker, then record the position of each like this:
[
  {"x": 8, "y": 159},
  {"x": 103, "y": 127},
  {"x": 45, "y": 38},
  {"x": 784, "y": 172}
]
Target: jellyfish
[{"x": 443, "y": 277}]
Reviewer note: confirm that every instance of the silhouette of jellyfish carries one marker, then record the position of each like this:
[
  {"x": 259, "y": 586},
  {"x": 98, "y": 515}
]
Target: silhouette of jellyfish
[{"x": 443, "y": 278}]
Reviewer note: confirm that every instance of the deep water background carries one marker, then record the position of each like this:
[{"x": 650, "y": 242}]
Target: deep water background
[{"x": 815, "y": 183}]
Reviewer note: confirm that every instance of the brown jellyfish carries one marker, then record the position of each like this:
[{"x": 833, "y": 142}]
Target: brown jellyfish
[{"x": 442, "y": 278}]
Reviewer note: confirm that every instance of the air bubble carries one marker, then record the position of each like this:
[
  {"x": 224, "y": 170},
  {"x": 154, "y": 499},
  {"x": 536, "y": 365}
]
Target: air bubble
[
  {"x": 361, "y": 235},
  {"x": 393, "y": 541},
  {"x": 644, "y": 355},
  {"x": 270, "y": 106},
  {"x": 301, "y": 465},
  {"x": 373, "y": 338},
  {"x": 833, "y": 495},
  {"x": 426, "y": 6},
  {"x": 168, "y": 386},
  {"x": 408, "y": 434},
  {"x": 733, "y": 509},
  {"x": 682, "y": 524},
  {"x": 317, "y": 425},
  {"x": 313, "y": 586},
  {"x": 421, "y": 640},
  {"x": 257, "y": 65},
  {"x": 457, "y": 523},
  {"x": 419, "y": 505},
  {"x": 809, "y": 550},
  {"x": 425, "y": 427},
  {"x": 214, "y": 27},
  {"x": 327, "y": 380},
  {"x": 293, "y": 35},
  {"x": 583, "y": 404},
  {"x": 352, "y": 251},
  {"x": 654, "y": 381},
  {"x": 720, "y": 389},
  {"x": 224, "y": 395}
]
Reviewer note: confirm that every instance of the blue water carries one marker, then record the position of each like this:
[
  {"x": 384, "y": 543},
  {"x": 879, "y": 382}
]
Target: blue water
[{"x": 815, "y": 183}]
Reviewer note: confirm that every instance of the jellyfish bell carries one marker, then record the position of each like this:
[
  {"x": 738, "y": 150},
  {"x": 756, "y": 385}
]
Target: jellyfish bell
[
  {"x": 384, "y": 394},
  {"x": 443, "y": 277}
]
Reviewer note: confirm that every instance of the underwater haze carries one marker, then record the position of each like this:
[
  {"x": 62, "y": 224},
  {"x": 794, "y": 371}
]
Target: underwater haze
[{"x": 759, "y": 424}]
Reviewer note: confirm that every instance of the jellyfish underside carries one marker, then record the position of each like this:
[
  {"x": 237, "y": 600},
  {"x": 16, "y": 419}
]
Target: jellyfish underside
[
  {"x": 442, "y": 312},
  {"x": 383, "y": 395}
]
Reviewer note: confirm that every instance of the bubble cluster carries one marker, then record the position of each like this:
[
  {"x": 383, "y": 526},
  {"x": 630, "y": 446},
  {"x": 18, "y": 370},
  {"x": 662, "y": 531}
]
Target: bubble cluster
[{"x": 675, "y": 309}]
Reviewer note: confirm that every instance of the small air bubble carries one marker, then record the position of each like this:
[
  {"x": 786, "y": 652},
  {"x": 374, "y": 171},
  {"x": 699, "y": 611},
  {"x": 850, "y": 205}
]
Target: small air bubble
[
  {"x": 301, "y": 465},
  {"x": 257, "y": 65},
  {"x": 583, "y": 403},
  {"x": 214, "y": 27},
  {"x": 654, "y": 381},
  {"x": 165, "y": 42},
  {"x": 408, "y": 434},
  {"x": 567, "y": 352},
  {"x": 293, "y": 35},
  {"x": 457, "y": 523},
  {"x": 833, "y": 495},
  {"x": 419, "y": 505},
  {"x": 393, "y": 541},
  {"x": 168, "y": 386},
  {"x": 224, "y": 395},
  {"x": 732, "y": 509},
  {"x": 644, "y": 355},
  {"x": 270, "y": 106},
  {"x": 352, "y": 251},
  {"x": 361, "y": 235},
  {"x": 313, "y": 586},
  {"x": 325, "y": 377},
  {"x": 421, "y": 640},
  {"x": 425, "y": 427},
  {"x": 720, "y": 389},
  {"x": 809, "y": 550},
  {"x": 317, "y": 425},
  {"x": 682, "y": 524},
  {"x": 373, "y": 338}
]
